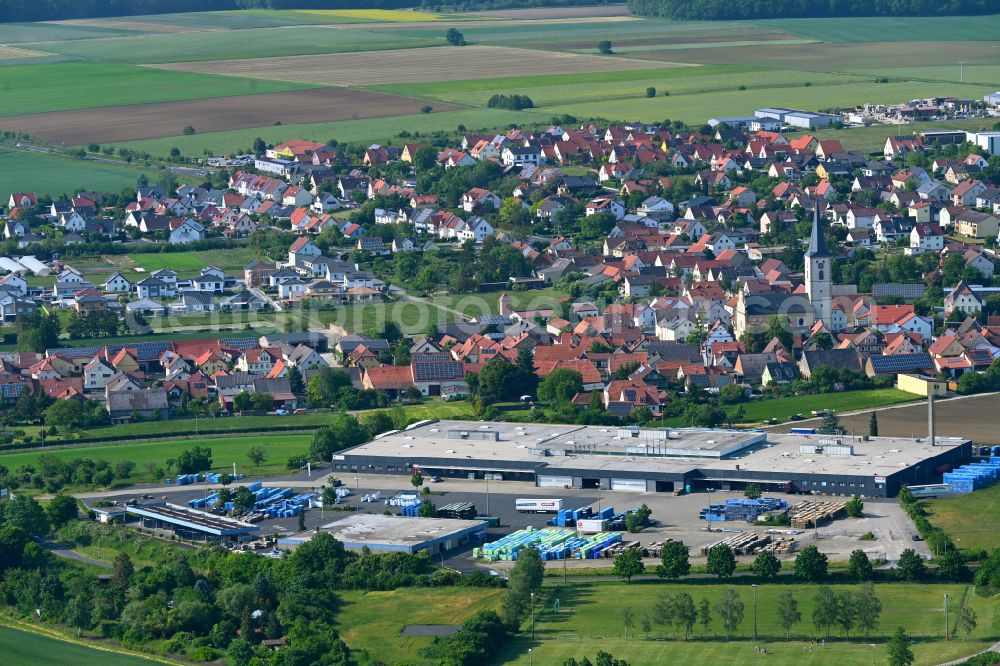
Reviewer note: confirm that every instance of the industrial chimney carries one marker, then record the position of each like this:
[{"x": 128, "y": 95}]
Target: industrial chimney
[{"x": 930, "y": 417}]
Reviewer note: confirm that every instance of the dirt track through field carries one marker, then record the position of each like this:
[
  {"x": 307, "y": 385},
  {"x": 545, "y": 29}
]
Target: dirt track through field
[
  {"x": 976, "y": 418},
  {"x": 442, "y": 63},
  {"x": 148, "y": 121}
]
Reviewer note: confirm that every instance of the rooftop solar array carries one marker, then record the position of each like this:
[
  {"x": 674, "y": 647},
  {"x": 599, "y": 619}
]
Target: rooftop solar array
[{"x": 901, "y": 363}]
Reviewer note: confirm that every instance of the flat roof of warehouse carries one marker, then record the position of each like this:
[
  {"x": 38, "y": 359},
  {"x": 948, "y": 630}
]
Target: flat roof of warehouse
[
  {"x": 602, "y": 448},
  {"x": 359, "y": 529}
]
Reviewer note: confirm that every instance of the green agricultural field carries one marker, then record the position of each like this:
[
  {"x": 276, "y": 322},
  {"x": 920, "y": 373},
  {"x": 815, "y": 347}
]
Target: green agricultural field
[
  {"x": 696, "y": 108},
  {"x": 987, "y": 75},
  {"x": 828, "y": 57},
  {"x": 972, "y": 521},
  {"x": 373, "y": 621},
  {"x": 586, "y": 34},
  {"x": 225, "y": 451},
  {"x": 783, "y": 408},
  {"x": 28, "y": 648},
  {"x": 705, "y": 81},
  {"x": 82, "y": 85},
  {"x": 366, "y": 130},
  {"x": 56, "y": 175},
  {"x": 19, "y": 33},
  {"x": 891, "y": 28},
  {"x": 232, "y": 44}
]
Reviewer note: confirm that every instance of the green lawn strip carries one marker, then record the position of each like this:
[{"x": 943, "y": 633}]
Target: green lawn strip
[
  {"x": 374, "y": 621},
  {"x": 56, "y": 175},
  {"x": 82, "y": 85},
  {"x": 783, "y": 408},
  {"x": 971, "y": 520},
  {"x": 232, "y": 44},
  {"x": 225, "y": 451},
  {"x": 228, "y": 259},
  {"x": 237, "y": 424},
  {"x": 202, "y": 334},
  {"x": 366, "y": 130},
  {"x": 27, "y": 644}
]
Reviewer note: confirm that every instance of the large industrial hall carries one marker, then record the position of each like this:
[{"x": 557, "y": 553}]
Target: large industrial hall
[{"x": 658, "y": 459}]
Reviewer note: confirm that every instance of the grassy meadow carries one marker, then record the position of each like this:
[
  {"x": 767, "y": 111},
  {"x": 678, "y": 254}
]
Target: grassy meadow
[
  {"x": 590, "y": 621},
  {"x": 225, "y": 451},
  {"x": 29, "y": 648},
  {"x": 56, "y": 175},
  {"x": 783, "y": 408},
  {"x": 972, "y": 521}
]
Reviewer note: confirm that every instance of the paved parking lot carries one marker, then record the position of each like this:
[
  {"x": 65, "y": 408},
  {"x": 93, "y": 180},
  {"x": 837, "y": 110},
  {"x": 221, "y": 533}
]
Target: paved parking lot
[{"x": 673, "y": 517}]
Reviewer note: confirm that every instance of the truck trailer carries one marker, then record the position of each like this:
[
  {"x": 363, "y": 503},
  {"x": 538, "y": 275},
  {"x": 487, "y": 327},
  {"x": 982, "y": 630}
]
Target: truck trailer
[{"x": 538, "y": 505}]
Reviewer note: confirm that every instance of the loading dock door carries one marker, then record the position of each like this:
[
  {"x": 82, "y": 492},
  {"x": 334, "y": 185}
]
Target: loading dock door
[
  {"x": 630, "y": 485},
  {"x": 554, "y": 481}
]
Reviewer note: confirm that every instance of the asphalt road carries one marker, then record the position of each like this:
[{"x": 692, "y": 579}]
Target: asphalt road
[{"x": 65, "y": 552}]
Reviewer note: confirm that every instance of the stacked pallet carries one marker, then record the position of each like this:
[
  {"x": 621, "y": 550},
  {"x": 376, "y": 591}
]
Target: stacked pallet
[
  {"x": 810, "y": 514},
  {"x": 742, "y": 543},
  {"x": 656, "y": 548},
  {"x": 617, "y": 548},
  {"x": 777, "y": 546},
  {"x": 458, "y": 511}
]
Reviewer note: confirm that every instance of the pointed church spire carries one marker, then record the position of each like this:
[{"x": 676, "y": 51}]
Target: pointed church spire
[{"x": 817, "y": 241}]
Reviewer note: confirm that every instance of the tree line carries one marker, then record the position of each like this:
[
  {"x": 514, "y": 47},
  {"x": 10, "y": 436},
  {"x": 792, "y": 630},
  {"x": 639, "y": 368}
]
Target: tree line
[{"x": 713, "y": 10}]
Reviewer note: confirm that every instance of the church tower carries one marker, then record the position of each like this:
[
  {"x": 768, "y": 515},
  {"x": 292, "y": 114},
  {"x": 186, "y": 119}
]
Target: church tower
[{"x": 818, "y": 268}]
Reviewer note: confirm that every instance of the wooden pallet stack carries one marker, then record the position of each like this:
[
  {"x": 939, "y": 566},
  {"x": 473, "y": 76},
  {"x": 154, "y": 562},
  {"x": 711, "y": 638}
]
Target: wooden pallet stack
[
  {"x": 655, "y": 548},
  {"x": 778, "y": 546},
  {"x": 742, "y": 543},
  {"x": 810, "y": 513},
  {"x": 617, "y": 548}
]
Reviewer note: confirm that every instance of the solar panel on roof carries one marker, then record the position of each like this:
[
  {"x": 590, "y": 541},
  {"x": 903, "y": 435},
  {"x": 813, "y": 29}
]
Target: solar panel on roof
[
  {"x": 438, "y": 370},
  {"x": 901, "y": 362},
  {"x": 240, "y": 343}
]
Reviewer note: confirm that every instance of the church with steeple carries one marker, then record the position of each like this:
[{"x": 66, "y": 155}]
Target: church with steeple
[
  {"x": 819, "y": 283},
  {"x": 801, "y": 309}
]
